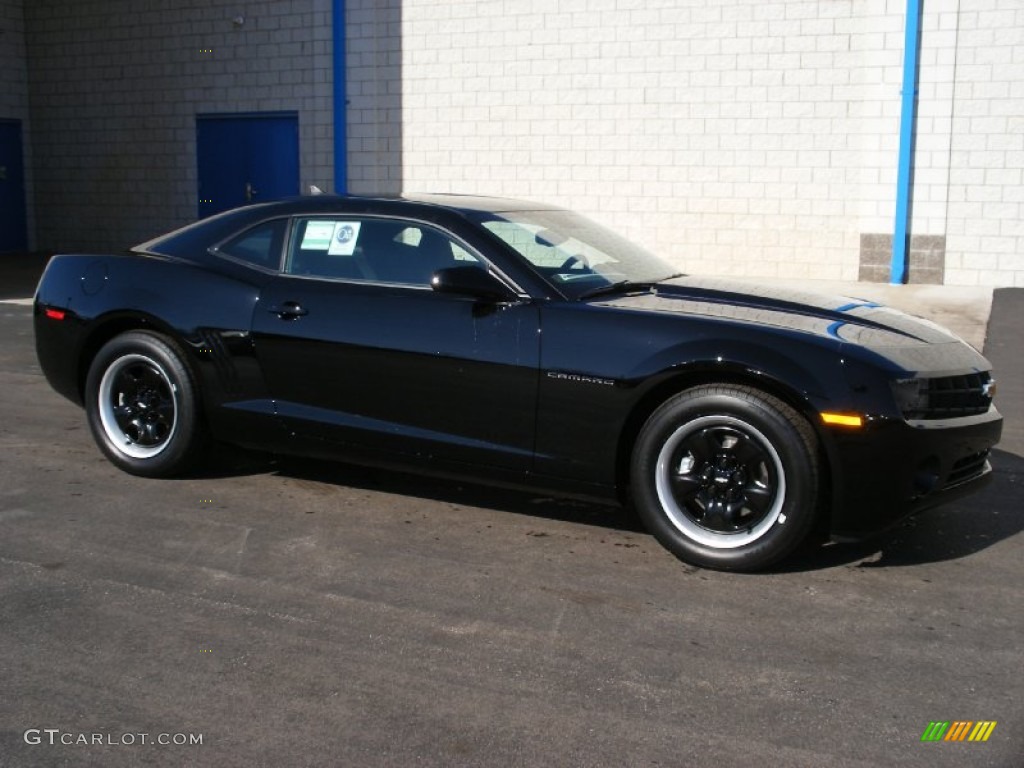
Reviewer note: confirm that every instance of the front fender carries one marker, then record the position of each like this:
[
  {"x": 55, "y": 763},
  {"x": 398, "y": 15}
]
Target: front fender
[
  {"x": 600, "y": 368},
  {"x": 811, "y": 376}
]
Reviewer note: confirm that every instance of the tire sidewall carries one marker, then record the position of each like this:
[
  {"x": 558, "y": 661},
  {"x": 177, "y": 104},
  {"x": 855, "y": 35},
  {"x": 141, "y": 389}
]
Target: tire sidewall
[
  {"x": 772, "y": 419},
  {"x": 177, "y": 453}
]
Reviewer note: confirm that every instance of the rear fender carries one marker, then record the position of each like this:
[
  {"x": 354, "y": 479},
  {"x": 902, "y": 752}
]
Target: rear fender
[{"x": 206, "y": 313}]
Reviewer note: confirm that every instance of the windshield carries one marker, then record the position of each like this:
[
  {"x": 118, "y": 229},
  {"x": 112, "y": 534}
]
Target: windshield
[{"x": 573, "y": 253}]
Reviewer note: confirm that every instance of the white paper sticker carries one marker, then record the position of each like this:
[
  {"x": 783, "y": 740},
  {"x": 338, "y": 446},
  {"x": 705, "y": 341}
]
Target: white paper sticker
[
  {"x": 318, "y": 236},
  {"x": 344, "y": 238}
]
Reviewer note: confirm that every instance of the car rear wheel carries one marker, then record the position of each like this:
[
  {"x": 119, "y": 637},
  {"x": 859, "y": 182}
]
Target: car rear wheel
[
  {"x": 142, "y": 407},
  {"x": 726, "y": 477}
]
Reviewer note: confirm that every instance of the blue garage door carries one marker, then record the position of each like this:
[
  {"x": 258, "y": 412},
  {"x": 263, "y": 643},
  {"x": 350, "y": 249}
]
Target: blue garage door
[
  {"x": 12, "y": 188},
  {"x": 246, "y": 158}
]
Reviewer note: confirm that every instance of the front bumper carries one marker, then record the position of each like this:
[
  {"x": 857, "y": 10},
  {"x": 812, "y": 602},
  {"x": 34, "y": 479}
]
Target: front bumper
[{"x": 895, "y": 468}]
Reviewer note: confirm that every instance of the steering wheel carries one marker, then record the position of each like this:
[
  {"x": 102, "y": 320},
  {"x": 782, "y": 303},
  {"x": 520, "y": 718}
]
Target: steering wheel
[{"x": 579, "y": 261}]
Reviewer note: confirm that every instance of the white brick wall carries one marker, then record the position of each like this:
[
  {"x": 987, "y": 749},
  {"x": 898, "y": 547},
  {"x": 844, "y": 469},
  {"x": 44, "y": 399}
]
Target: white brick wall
[
  {"x": 116, "y": 87},
  {"x": 754, "y": 137},
  {"x": 374, "y": 91},
  {"x": 986, "y": 185},
  {"x": 751, "y": 137}
]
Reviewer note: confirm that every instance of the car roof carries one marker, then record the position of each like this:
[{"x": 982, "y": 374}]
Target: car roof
[
  {"x": 447, "y": 201},
  {"x": 458, "y": 202}
]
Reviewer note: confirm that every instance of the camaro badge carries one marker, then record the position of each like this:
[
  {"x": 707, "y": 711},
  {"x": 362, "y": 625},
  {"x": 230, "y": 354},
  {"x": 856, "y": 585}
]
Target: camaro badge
[{"x": 579, "y": 378}]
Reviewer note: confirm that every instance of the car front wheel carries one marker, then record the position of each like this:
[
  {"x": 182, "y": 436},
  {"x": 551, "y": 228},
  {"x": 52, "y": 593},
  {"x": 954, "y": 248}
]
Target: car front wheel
[
  {"x": 726, "y": 477},
  {"x": 141, "y": 405}
]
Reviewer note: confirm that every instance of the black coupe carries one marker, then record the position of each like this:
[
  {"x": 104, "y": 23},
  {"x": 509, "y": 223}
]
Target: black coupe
[{"x": 518, "y": 343}]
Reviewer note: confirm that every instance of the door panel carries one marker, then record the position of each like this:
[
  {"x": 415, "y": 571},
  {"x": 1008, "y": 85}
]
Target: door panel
[
  {"x": 401, "y": 369},
  {"x": 245, "y": 159},
  {"x": 12, "y": 188}
]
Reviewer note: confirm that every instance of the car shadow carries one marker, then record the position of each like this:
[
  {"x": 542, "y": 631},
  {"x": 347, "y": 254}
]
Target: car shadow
[
  {"x": 949, "y": 532},
  {"x": 232, "y": 462}
]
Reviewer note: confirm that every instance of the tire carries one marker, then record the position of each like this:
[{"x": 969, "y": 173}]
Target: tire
[
  {"x": 142, "y": 405},
  {"x": 726, "y": 477}
]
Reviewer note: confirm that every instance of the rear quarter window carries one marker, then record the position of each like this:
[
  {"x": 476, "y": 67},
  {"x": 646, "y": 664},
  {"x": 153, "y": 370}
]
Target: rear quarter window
[{"x": 260, "y": 245}]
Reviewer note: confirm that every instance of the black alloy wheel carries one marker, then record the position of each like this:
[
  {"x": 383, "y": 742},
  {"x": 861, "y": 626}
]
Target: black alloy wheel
[
  {"x": 142, "y": 406},
  {"x": 726, "y": 477}
]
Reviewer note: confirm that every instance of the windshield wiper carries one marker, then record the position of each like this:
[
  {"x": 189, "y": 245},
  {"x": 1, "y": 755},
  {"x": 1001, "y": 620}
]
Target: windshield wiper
[{"x": 624, "y": 286}]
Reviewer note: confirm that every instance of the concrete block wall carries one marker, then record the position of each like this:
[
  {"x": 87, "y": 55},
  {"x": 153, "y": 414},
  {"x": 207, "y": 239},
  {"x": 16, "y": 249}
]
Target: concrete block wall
[
  {"x": 751, "y": 137},
  {"x": 373, "y": 75},
  {"x": 115, "y": 88},
  {"x": 13, "y": 72},
  {"x": 985, "y": 244},
  {"x": 14, "y": 85},
  {"x": 748, "y": 137}
]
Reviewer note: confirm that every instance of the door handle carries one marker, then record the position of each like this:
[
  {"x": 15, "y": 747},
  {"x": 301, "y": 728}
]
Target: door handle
[{"x": 290, "y": 310}]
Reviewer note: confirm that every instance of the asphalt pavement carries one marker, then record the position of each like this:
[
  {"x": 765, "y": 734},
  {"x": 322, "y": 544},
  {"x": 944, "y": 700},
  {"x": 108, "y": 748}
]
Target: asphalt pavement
[{"x": 295, "y": 613}]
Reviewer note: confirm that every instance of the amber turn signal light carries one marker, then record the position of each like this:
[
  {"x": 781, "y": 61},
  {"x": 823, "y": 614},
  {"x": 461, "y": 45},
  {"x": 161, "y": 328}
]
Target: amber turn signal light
[{"x": 843, "y": 419}]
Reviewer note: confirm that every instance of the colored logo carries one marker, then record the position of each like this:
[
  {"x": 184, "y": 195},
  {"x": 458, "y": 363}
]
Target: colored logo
[{"x": 958, "y": 730}]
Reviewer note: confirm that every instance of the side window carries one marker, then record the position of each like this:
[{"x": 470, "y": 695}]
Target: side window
[
  {"x": 374, "y": 250},
  {"x": 260, "y": 245}
]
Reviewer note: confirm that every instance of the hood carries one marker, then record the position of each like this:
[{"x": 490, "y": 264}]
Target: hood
[
  {"x": 910, "y": 341},
  {"x": 843, "y": 318}
]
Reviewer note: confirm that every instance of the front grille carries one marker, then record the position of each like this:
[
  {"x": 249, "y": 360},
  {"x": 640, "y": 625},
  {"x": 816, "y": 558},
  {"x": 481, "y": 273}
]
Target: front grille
[
  {"x": 949, "y": 397},
  {"x": 967, "y": 468}
]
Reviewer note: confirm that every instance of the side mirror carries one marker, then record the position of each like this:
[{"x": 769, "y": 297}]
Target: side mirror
[{"x": 471, "y": 281}]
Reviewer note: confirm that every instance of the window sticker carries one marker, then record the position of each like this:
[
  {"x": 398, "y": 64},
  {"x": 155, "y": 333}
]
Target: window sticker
[
  {"x": 318, "y": 236},
  {"x": 344, "y": 238}
]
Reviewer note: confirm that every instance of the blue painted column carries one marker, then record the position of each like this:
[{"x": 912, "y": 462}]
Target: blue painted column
[
  {"x": 340, "y": 98},
  {"x": 898, "y": 270}
]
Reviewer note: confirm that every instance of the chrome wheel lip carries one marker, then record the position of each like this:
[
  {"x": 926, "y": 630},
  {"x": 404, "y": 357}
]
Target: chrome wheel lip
[
  {"x": 108, "y": 394},
  {"x": 683, "y": 521}
]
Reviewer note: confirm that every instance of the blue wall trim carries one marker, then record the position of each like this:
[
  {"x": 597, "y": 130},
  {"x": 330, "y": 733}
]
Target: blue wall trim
[
  {"x": 898, "y": 270},
  {"x": 340, "y": 98}
]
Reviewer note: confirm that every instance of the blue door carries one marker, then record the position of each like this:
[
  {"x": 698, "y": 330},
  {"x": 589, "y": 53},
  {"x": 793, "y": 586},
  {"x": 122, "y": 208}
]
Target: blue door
[
  {"x": 246, "y": 158},
  {"x": 12, "y": 188}
]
